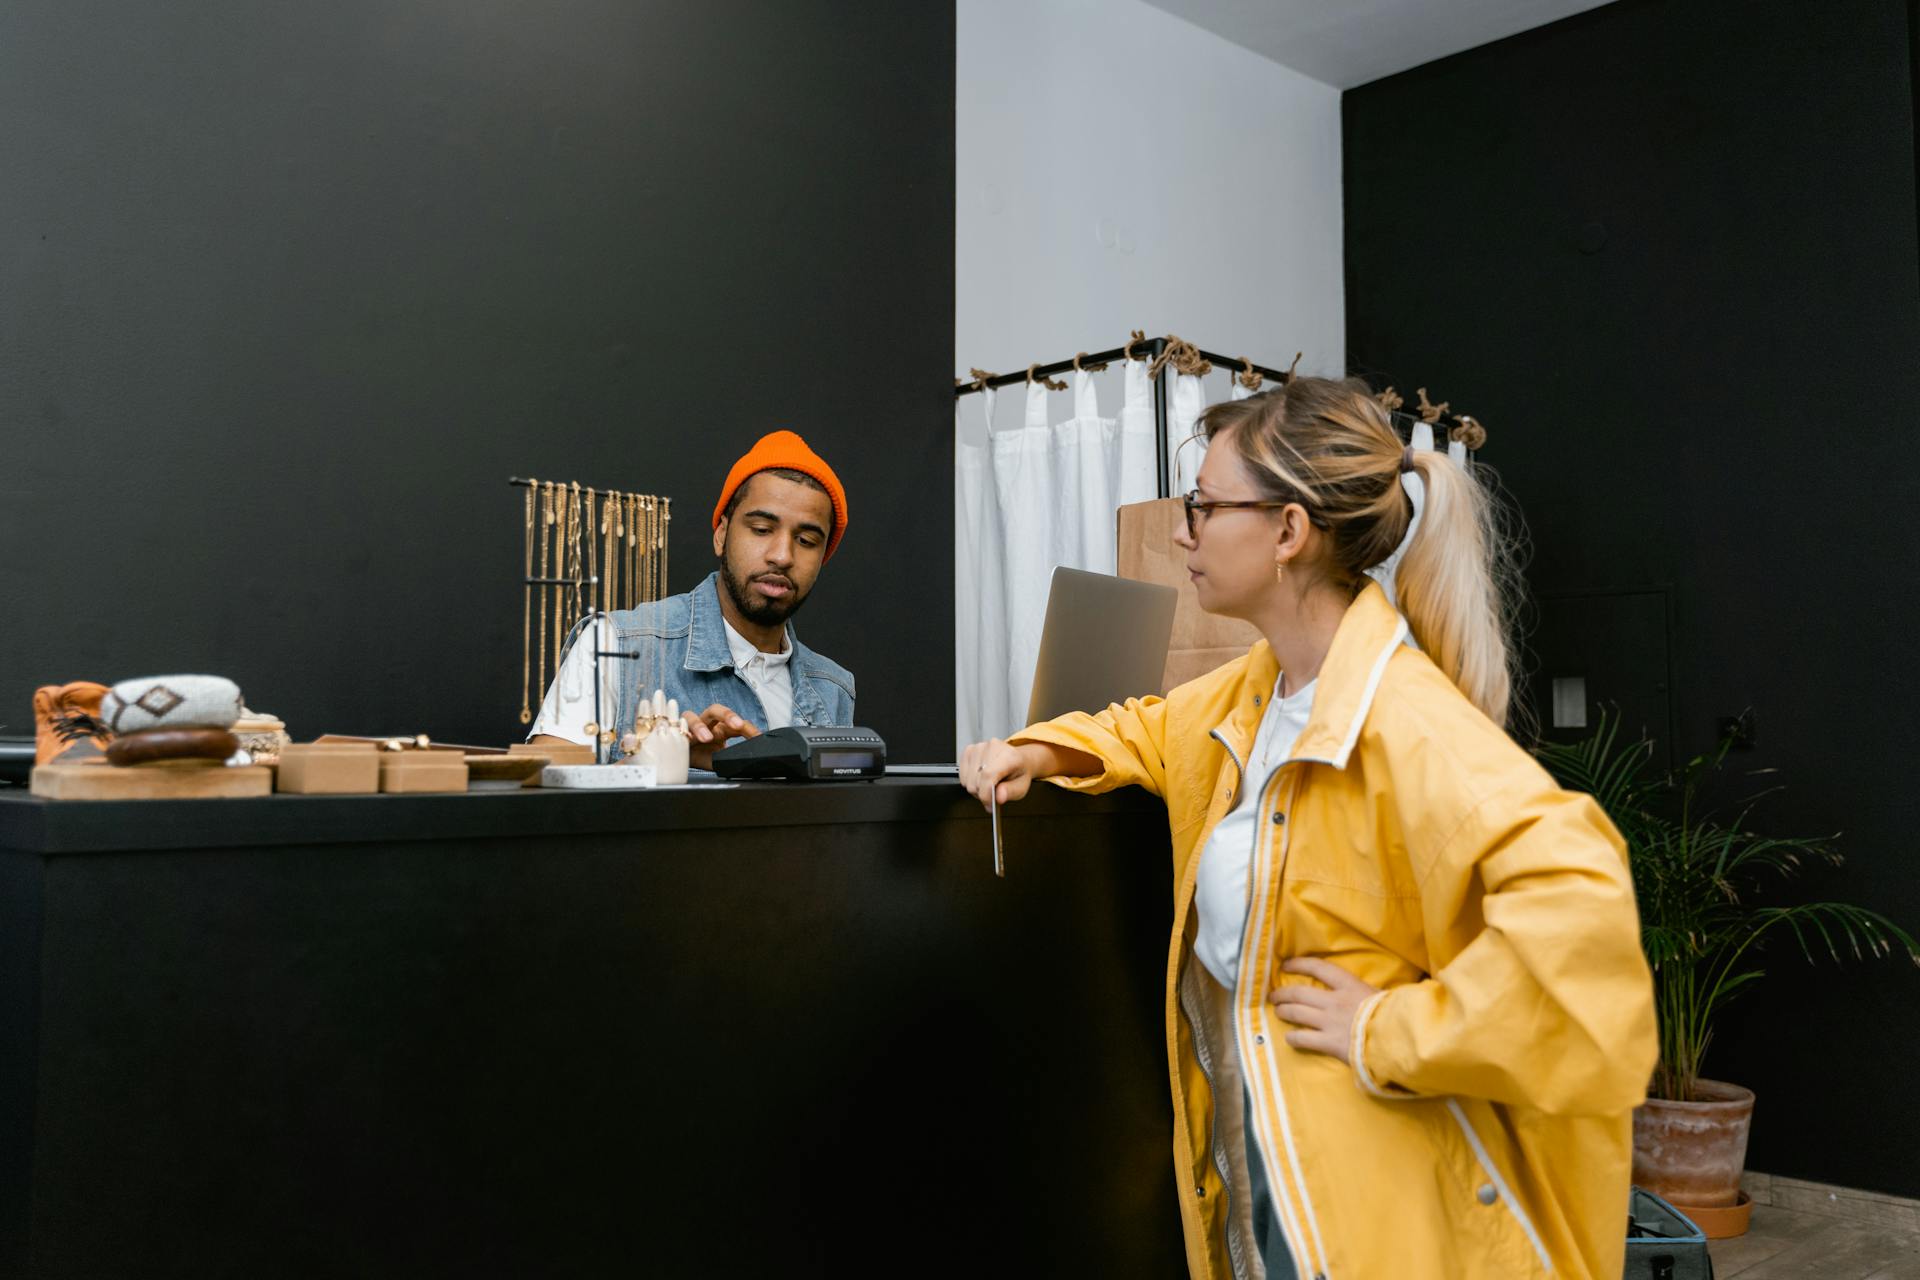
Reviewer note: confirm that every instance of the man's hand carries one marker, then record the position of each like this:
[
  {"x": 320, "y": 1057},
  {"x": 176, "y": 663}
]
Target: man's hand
[
  {"x": 710, "y": 730},
  {"x": 1326, "y": 1012}
]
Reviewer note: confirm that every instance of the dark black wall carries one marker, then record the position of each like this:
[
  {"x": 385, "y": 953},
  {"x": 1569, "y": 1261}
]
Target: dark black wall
[
  {"x": 1667, "y": 250},
  {"x": 287, "y": 292}
]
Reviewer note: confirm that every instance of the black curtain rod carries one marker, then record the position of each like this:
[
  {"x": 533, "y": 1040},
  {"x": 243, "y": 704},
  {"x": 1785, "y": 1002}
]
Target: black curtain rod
[
  {"x": 568, "y": 484},
  {"x": 1151, "y": 347}
]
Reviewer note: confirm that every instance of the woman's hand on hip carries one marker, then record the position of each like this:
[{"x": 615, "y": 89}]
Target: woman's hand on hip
[
  {"x": 1326, "y": 1013},
  {"x": 985, "y": 766}
]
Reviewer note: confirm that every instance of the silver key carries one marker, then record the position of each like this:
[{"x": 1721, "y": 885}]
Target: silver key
[{"x": 999, "y": 858}]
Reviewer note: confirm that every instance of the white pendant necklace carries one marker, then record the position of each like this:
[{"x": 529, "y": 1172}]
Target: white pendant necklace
[
  {"x": 1267, "y": 737},
  {"x": 1265, "y": 734}
]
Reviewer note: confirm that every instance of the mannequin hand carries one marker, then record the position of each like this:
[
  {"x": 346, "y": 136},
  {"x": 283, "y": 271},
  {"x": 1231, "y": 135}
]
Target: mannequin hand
[
  {"x": 985, "y": 766},
  {"x": 1326, "y": 1012},
  {"x": 710, "y": 730}
]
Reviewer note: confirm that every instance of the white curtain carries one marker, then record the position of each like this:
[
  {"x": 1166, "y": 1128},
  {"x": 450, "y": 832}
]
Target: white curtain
[
  {"x": 979, "y": 598},
  {"x": 1186, "y": 401},
  {"x": 1139, "y": 481},
  {"x": 1026, "y": 500}
]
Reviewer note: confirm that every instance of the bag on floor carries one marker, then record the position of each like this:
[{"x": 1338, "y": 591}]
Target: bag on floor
[{"x": 1662, "y": 1244}]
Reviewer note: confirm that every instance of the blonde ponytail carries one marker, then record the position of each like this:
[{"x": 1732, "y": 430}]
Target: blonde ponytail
[
  {"x": 1454, "y": 582},
  {"x": 1330, "y": 446}
]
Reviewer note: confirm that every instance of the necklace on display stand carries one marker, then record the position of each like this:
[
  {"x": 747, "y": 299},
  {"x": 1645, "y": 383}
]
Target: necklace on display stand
[
  {"x": 571, "y": 590},
  {"x": 614, "y": 549},
  {"x": 588, "y": 605},
  {"x": 593, "y": 559},
  {"x": 666, "y": 528},
  {"x": 648, "y": 541},
  {"x": 629, "y": 530},
  {"x": 556, "y": 517},
  {"x": 546, "y": 521},
  {"x": 526, "y": 619},
  {"x": 560, "y": 521},
  {"x": 559, "y": 588}
]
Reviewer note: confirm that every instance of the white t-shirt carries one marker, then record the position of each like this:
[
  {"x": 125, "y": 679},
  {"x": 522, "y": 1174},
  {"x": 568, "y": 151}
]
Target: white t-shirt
[
  {"x": 1220, "y": 894},
  {"x": 568, "y": 708},
  {"x": 767, "y": 674}
]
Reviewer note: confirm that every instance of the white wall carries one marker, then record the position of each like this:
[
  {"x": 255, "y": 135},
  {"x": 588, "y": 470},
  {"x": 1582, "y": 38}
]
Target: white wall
[{"x": 1119, "y": 168}]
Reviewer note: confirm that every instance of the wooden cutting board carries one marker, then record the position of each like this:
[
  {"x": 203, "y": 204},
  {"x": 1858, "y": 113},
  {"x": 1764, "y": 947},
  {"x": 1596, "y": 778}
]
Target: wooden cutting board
[{"x": 106, "y": 782}]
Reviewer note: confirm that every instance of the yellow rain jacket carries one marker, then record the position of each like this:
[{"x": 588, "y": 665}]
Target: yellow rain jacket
[{"x": 1485, "y": 1127}]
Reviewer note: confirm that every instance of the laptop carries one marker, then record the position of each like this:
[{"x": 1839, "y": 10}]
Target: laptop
[{"x": 1105, "y": 640}]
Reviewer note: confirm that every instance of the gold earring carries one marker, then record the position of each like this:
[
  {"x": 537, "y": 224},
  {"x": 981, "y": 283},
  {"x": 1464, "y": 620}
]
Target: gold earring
[{"x": 1279, "y": 570}]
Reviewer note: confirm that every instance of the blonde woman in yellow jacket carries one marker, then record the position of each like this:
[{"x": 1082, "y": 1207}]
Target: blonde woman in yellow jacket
[{"x": 1407, "y": 1013}]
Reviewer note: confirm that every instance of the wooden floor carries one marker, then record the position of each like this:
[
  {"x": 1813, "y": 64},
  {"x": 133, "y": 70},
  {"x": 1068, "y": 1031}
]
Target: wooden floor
[{"x": 1794, "y": 1242}]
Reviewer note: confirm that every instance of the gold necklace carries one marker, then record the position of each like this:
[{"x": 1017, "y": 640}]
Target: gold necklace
[
  {"x": 573, "y": 553},
  {"x": 634, "y": 536},
  {"x": 593, "y": 627},
  {"x": 615, "y": 524},
  {"x": 666, "y": 528},
  {"x": 652, "y": 544},
  {"x": 606, "y": 515},
  {"x": 574, "y": 522},
  {"x": 546, "y": 520},
  {"x": 557, "y": 519},
  {"x": 560, "y": 576},
  {"x": 526, "y": 618},
  {"x": 647, "y": 542},
  {"x": 593, "y": 561},
  {"x": 577, "y": 544}
]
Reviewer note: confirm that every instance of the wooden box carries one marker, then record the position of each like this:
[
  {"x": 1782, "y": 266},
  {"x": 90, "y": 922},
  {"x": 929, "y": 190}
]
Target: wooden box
[
  {"x": 413, "y": 772},
  {"x": 329, "y": 769},
  {"x": 555, "y": 753}
]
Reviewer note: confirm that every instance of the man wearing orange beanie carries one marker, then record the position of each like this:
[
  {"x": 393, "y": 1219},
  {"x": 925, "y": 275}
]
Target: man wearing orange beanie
[{"x": 726, "y": 646}]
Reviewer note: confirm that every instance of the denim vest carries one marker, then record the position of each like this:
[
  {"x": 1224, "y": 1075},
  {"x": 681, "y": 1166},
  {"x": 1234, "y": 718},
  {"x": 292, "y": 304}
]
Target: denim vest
[{"x": 684, "y": 646}]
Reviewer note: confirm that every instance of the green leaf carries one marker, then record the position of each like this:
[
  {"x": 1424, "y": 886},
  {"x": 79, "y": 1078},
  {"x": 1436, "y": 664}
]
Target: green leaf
[{"x": 1700, "y": 880}]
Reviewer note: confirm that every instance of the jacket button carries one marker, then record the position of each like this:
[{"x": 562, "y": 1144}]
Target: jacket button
[
  {"x": 1487, "y": 1194},
  {"x": 1279, "y": 819},
  {"x": 1256, "y": 699},
  {"x": 1259, "y": 1039},
  {"x": 1201, "y": 1192}
]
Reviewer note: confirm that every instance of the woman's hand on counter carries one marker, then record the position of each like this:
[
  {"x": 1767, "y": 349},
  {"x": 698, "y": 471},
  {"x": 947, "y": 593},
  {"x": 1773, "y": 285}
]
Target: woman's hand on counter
[
  {"x": 994, "y": 763},
  {"x": 987, "y": 765}
]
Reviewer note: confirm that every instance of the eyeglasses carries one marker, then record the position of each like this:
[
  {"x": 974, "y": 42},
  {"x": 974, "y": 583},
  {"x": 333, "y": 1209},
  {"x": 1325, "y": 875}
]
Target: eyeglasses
[{"x": 1196, "y": 508}]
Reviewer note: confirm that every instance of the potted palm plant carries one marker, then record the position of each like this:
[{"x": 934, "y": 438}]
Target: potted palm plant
[{"x": 1699, "y": 878}]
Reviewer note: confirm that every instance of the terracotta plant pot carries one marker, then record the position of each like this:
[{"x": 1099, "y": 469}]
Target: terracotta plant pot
[{"x": 1691, "y": 1155}]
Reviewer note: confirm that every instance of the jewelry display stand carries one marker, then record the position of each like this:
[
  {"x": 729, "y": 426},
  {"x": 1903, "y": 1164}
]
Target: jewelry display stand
[
  {"x": 582, "y": 569},
  {"x": 594, "y": 571}
]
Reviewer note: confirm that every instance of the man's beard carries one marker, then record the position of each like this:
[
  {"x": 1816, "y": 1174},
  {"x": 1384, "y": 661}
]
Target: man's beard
[{"x": 755, "y": 607}]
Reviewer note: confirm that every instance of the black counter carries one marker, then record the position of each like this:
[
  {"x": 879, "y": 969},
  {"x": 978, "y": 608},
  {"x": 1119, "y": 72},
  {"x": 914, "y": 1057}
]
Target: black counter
[
  {"x": 30, "y": 825},
  {"x": 795, "y": 1030}
]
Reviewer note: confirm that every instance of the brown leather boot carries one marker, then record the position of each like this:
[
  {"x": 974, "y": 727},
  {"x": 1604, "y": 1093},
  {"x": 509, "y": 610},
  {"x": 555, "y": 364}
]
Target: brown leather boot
[{"x": 66, "y": 721}]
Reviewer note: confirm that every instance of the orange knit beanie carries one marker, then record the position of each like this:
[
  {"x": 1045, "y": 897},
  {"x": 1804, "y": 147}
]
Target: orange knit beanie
[{"x": 783, "y": 450}]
